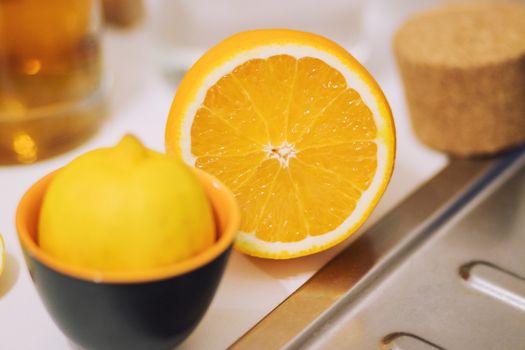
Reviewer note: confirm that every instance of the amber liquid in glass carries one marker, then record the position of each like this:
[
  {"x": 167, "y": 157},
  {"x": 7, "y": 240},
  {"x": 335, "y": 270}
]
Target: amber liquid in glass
[{"x": 50, "y": 77}]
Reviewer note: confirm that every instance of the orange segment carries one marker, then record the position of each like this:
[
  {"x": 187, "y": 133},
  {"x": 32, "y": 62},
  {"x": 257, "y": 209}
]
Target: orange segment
[
  {"x": 233, "y": 170},
  {"x": 345, "y": 118},
  {"x": 296, "y": 127},
  {"x": 327, "y": 197},
  {"x": 318, "y": 85},
  {"x": 214, "y": 135},
  {"x": 255, "y": 192},
  {"x": 354, "y": 161},
  {"x": 283, "y": 211},
  {"x": 271, "y": 104}
]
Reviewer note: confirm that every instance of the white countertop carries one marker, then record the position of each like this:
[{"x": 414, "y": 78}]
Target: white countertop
[{"x": 251, "y": 287}]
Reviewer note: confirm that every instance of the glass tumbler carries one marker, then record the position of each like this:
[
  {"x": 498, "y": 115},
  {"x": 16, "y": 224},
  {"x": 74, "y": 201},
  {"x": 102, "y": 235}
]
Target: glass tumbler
[{"x": 51, "y": 87}]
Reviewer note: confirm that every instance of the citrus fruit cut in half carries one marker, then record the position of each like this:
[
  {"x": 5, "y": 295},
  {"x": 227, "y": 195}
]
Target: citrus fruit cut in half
[{"x": 296, "y": 127}]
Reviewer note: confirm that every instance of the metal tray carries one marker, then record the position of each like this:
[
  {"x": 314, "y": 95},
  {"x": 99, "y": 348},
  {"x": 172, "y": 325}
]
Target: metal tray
[{"x": 443, "y": 270}]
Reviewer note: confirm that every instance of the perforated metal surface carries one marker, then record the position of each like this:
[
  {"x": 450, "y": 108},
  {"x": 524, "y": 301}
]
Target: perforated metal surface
[
  {"x": 447, "y": 271},
  {"x": 463, "y": 288}
]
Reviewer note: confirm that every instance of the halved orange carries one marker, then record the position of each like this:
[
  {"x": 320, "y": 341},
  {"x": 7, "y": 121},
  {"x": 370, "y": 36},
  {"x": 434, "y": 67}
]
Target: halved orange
[{"x": 296, "y": 127}]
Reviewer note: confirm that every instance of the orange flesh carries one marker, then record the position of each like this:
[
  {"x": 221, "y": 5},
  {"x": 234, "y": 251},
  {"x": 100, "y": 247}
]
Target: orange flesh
[{"x": 292, "y": 140}]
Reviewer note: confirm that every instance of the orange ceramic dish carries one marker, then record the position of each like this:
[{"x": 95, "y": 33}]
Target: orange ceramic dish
[
  {"x": 150, "y": 309},
  {"x": 223, "y": 203}
]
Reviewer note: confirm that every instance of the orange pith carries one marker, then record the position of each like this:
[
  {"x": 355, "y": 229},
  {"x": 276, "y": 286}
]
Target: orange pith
[{"x": 296, "y": 144}]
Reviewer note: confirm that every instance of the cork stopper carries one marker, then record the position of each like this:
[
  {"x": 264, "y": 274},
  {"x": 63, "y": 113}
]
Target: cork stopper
[{"x": 463, "y": 69}]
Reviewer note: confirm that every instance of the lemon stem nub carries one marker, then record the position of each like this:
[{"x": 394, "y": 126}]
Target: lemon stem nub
[{"x": 130, "y": 149}]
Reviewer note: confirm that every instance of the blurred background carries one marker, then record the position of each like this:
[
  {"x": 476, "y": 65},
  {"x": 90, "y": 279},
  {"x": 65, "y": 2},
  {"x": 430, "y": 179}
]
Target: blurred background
[{"x": 126, "y": 76}]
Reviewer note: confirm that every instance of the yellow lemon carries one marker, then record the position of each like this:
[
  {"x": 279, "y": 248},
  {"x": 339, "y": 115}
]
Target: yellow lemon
[{"x": 125, "y": 208}]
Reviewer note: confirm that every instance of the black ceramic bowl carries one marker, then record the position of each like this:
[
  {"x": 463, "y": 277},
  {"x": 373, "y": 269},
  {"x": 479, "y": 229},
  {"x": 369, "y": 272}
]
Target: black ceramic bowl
[{"x": 154, "y": 309}]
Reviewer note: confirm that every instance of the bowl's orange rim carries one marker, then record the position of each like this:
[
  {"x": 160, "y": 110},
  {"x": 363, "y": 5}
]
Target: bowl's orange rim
[{"x": 220, "y": 198}]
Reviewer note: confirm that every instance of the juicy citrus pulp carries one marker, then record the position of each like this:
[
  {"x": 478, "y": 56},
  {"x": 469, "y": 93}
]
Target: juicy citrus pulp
[
  {"x": 125, "y": 208},
  {"x": 296, "y": 127}
]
